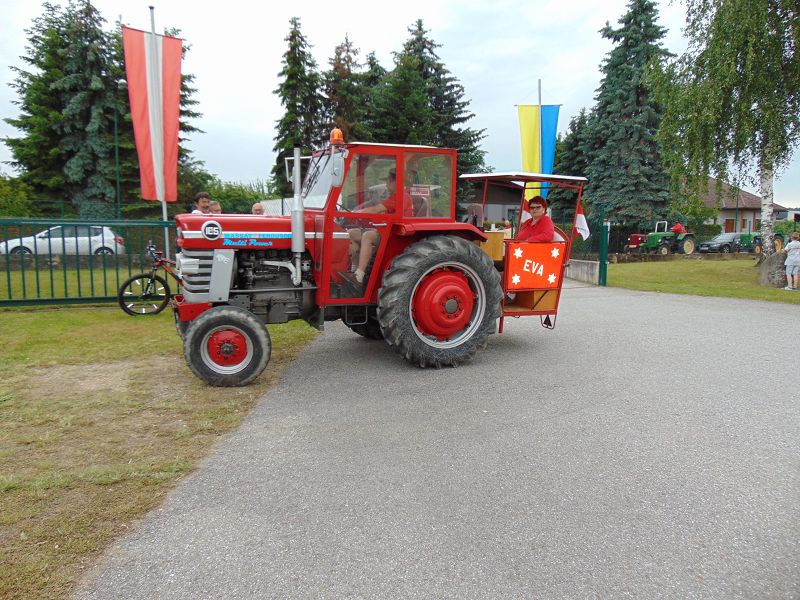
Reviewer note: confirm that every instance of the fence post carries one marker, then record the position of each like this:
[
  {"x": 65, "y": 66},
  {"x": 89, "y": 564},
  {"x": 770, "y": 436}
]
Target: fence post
[{"x": 603, "y": 257}]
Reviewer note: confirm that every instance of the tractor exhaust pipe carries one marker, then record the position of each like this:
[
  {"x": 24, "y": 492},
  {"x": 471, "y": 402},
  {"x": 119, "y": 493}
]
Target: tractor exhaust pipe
[{"x": 298, "y": 221}]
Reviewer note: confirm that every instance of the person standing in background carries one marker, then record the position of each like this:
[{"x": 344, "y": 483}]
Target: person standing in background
[
  {"x": 202, "y": 201},
  {"x": 792, "y": 263}
]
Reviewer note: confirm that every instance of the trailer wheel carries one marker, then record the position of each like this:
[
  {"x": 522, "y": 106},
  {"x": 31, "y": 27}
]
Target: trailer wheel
[
  {"x": 227, "y": 346},
  {"x": 439, "y": 301}
]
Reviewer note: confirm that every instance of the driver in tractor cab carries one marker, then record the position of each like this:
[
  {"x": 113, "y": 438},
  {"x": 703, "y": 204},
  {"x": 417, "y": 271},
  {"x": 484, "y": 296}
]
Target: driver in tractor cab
[
  {"x": 678, "y": 228},
  {"x": 364, "y": 241},
  {"x": 539, "y": 228}
]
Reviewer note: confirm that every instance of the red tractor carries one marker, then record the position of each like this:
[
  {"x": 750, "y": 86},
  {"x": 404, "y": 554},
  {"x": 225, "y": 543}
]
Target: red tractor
[{"x": 372, "y": 239}]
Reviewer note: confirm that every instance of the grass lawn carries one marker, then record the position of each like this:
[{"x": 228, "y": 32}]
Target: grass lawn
[
  {"x": 99, "y": 418},
  {"x": 735, "y": 278},
  {"x": 93, "y": 279}
]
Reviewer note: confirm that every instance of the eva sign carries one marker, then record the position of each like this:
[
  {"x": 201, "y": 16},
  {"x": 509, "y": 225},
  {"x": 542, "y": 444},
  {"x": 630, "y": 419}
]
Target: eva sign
[
  {"x": 534, "y": 265},
  {"x": 211, "y": 230}
]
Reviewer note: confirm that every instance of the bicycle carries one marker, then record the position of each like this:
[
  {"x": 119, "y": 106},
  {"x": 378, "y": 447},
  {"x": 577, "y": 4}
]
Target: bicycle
[{"x": 148, "y": 293}]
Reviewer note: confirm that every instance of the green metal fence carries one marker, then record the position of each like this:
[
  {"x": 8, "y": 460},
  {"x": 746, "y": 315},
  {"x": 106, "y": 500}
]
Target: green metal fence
[
  {"x": 597, "y": 247},
  {"x": 49, "y": 261}
]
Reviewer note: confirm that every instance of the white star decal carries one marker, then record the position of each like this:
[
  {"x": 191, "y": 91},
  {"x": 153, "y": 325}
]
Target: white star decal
[
  {"x": 551, "y": 278},
  {"x": 554, "y": 253},
  {"x": 515, "y": 279},
  {"x": 518, "y": 253}
]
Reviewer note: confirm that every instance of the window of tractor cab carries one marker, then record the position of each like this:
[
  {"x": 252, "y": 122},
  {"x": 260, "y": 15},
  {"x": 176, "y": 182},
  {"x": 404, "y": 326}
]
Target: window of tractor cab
[
  {"x": 428, "y": 182},
  {"x": 318, "y": 180},
  {"x": 369, "y": 181}
]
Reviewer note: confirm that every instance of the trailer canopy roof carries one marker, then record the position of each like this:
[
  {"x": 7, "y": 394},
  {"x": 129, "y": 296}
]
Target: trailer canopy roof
[{"x": 520, "y": 177}]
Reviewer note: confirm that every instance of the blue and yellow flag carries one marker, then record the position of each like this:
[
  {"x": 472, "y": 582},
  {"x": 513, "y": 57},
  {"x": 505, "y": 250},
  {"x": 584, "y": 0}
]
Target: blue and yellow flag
[{"x": 538, "y": 126}]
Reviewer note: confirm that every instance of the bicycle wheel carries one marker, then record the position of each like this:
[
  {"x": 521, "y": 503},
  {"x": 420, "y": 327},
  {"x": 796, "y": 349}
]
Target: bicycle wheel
[{"x": 144, "y": 294}]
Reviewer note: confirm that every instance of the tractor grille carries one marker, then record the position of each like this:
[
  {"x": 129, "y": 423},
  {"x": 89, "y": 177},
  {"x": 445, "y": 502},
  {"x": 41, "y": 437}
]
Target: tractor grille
[{"x": 195, "y": 271}]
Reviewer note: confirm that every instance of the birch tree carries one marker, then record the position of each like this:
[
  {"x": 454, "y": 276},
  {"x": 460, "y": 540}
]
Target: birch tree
[{"x": 732, "y": 100}]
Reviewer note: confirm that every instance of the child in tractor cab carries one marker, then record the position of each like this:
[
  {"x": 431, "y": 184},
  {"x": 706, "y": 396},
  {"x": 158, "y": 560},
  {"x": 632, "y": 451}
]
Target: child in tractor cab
[{"x": 364, "y": 241}]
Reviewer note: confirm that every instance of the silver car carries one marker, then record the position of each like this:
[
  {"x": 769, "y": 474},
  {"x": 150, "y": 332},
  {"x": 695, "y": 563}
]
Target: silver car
[{"x": 67, "y": 240}]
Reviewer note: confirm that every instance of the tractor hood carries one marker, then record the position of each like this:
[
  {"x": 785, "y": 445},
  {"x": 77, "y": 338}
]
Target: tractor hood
[{"x": 245, "y": 232}]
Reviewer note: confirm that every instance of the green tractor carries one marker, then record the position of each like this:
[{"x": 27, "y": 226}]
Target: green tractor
[{"x": 664, "y": 241}]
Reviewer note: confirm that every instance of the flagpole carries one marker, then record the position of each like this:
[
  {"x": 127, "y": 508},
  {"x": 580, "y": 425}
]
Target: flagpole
[
  {"x": 542, "y": 188},
  {"x": 163, "y": 199}
]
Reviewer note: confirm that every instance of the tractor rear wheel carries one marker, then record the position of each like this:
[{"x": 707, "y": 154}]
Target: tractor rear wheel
[
  {"x": 439, "y": 301},
  {"x": 687, "y": 245},
  {"x": 227, "y": 346}
]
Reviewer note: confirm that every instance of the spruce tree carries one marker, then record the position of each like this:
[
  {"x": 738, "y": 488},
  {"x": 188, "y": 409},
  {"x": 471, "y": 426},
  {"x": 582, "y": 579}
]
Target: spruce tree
[
  {"x": 370, "y": 82},
  {"x": 571, "y": 157},
  {"x": 344, "y": 106},
  {"x": 88, "y": 96},
  {"x": 301, "y": 124},
  {"x": 70, "y": 89},
  {"x": 625, "y": 169},
  {"x": 402, "y": 112},
  {"x": 36, "y": 153},
  {"x": 447, "y": 101}
]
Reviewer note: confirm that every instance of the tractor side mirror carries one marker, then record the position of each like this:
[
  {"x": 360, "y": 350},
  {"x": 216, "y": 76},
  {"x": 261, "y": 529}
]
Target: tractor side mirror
[{"x": 337, "y": 170}]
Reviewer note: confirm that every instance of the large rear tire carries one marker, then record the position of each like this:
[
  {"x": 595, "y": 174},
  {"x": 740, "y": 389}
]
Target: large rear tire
[
  {"x": 687, "y": 245},
  {"x": 227, "y": 346},
  {"x": 439, "y": 301}
]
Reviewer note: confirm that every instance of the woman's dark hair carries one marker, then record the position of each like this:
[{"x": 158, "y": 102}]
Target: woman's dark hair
[{"x": 199, "y": 195}]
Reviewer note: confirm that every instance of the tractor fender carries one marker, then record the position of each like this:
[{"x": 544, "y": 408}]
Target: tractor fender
[{"x": 420, "y": 230}]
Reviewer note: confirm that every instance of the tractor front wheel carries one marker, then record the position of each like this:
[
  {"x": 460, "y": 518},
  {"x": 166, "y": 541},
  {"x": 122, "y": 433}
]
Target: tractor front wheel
[
  {"x": 439, "y": 301},
  {"x": 663, "y": 249},
  {"x": 227, "y": 346}
]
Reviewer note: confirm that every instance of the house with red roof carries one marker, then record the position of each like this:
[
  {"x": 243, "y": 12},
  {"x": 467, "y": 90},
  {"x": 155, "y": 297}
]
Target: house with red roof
[{"x": 739, "y": 211}]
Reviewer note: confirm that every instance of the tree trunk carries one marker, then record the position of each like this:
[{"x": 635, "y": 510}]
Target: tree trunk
[{"x": 767, "y": 229}]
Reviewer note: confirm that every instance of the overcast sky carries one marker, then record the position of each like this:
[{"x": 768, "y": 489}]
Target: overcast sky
[{"x": 498, "y": 49}]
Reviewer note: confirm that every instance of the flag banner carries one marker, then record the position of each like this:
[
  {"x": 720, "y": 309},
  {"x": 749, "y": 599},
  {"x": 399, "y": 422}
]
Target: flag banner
[
  {"x": 580, "y": 226},
  {"x": 534, "y": 265},
  {"x": 538, "y": 126},
  {"x": 153, "y": 69}
]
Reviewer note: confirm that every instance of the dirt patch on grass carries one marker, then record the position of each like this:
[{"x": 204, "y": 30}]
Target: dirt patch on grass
[{"x": 82, "y": 379}]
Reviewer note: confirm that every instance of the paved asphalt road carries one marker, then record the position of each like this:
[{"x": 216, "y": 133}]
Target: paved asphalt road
[{"x": 647, "y": 447}]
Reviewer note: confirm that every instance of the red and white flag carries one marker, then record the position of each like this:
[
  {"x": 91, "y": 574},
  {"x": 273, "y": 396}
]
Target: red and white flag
[
  {"x": 153, "y": 67},
  {"x": 580, "y": 225}
]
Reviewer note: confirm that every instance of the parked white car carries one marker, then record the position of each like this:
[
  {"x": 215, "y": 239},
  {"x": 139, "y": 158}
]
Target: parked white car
[{"x": 67, "y": 239}]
